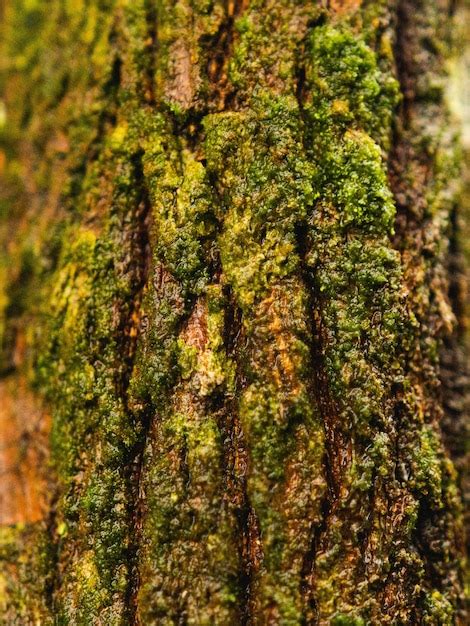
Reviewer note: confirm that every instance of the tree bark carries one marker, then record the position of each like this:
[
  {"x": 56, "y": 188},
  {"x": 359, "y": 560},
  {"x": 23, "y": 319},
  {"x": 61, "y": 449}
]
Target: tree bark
[{"x": 233, "y": 375}]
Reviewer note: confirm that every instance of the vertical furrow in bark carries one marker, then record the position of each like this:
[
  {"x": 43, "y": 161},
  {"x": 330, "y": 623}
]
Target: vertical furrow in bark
[
  {"x": 219, "y": 50},
  {"x": 337, "y": 449},
  {"x": 248, "y": 540}
]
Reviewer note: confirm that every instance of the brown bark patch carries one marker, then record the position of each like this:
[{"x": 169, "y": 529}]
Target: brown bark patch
[
  {"x": 24, "y": 430},
  {"x": 195, "y": 332},
  {"x": 342, "y": 7},
  {"x": 184, "y": 72},
  {"x": 277, "y": 313}
]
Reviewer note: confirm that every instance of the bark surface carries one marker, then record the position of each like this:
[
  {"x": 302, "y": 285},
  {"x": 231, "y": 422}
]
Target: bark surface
[{"x": 233, "y": 378}]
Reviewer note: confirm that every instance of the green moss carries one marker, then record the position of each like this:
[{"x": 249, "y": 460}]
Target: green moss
[
  {"x": 429, "y": 477},
  {"x": 348, "y": 86},
  {"x": 351, "y": 100},
  {"x": 187, "y": 359},
  {"x": 257, "y": 157},
  {"x": 184, "y": 216},
  {"x": 438, "y": 610},
  {"x": 269, "y": 47},
  {"x": 353, "y": 176},
  {"x": 347, "y": 620}
]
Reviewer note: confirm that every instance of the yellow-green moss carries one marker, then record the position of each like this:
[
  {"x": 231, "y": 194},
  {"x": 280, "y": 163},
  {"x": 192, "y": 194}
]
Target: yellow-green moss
[{"x": 26, "y": 576}]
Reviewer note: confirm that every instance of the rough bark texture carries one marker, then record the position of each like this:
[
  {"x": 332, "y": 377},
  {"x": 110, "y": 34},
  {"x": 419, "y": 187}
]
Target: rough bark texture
[{"x": 230, "y": 299}]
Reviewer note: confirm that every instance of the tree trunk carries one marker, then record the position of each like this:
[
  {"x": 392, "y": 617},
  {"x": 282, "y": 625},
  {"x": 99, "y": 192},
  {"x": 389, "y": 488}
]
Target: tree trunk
[{"x": 232, "y": 321}]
